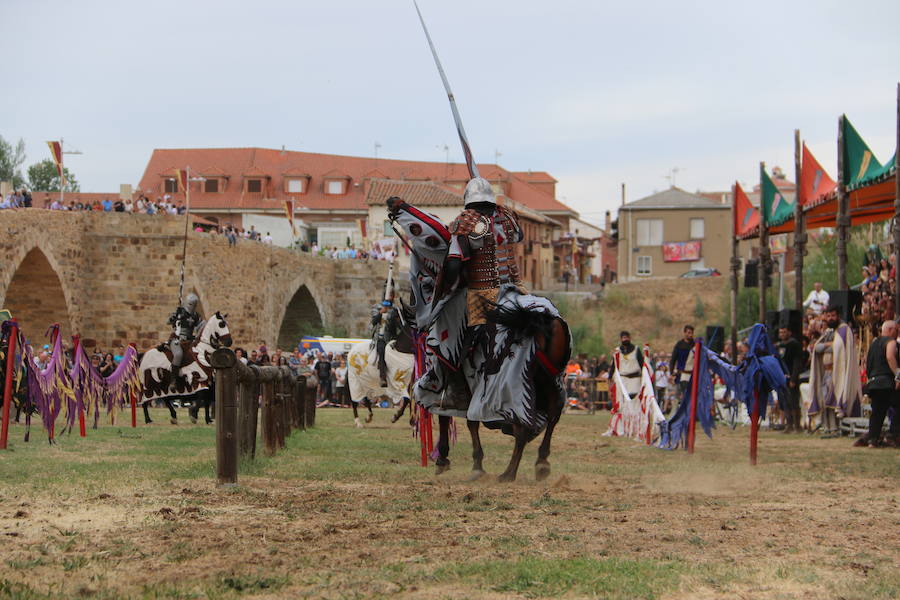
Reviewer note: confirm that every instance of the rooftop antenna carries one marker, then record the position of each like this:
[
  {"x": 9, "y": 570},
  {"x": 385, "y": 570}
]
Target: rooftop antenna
[
  {"x": 673, "y": 172},
  {"x": 497, "y": 155}
]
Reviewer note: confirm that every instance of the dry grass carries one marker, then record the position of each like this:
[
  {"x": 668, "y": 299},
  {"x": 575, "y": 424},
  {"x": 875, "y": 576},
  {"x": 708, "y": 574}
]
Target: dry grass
[{"x": 347, "y": 513}]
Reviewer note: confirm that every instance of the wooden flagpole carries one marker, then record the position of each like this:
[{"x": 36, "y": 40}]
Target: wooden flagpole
[
  {"x": 695, "y": 380},
  {"x": 842, "y": 218},
  {"x": 897, "y": 213},
  {"x": 8, "y": 382},
  {"x": 735, "y": 270},
  {"x": 763, "y": 247},
  {"x": 799, "y": 226}
]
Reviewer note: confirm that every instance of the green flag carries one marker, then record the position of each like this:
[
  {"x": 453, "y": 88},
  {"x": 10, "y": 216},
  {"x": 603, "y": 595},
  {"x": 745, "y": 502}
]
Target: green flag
[
  {"x": 776, "y": 208},
  {"x": 860, "y": 165}
]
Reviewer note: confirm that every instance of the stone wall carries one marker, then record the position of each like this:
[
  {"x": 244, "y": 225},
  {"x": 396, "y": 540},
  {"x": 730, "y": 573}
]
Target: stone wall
[{"x": 114, "y": 278}]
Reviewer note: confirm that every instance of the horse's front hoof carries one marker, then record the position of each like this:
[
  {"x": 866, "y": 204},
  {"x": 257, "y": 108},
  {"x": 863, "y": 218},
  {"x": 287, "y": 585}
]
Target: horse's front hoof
[
  {"x": 173, "y": 421},
  {"x": 358, "y": 424},
  {"x": 541, "y": 471},
  {"x": 507, "y": 478},
  {"x": 194, "y": 420},
  {"x": 476, "y": 474},
  {"x": 147, "y": 421},
  {"x": 209, "y": 421},
  {"x": 412, "y": 422},
  {"x": 438, "y": 468},
  {"x": 369, "y": 417},
  {"x": 395, "y": 418}
]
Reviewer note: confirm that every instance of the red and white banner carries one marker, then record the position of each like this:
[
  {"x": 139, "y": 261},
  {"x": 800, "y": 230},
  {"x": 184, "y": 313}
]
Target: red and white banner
[{"x": 681, "y": 251}]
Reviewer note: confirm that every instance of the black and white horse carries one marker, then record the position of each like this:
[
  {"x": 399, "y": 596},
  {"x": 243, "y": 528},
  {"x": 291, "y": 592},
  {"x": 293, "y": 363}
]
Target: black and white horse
[{"x": 194, "y": 381}]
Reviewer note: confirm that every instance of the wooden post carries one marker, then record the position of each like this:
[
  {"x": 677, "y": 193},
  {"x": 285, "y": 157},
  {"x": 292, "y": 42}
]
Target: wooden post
[
  {"x": 754, "y": 427},
  {"x": 843, "y": 220},
  {"x": 763, "y": 248},
  {"x": 897, "y": 214},
  {"x": 223, "y": 360},
  {"x": 7, "y": 384},
  {"x": 249, "y": 418},
  {"x": 310, "y": 408},
  {"x": 695, "y": 379},
  {"x": 799, "y": 225},
  {"x": 735, "y": 273},
  {"x": 304, "y": 394},
  {"x": 269, "y": 432}
]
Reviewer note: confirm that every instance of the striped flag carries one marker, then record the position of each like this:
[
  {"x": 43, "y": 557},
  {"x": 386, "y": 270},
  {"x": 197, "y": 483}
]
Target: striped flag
[
  {"x": 57, "y": 153},
  {"x": 182, "y": 178},
  {"x": 289, "y": 212}
]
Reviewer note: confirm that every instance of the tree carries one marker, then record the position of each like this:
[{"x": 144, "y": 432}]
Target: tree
[
  {"x": 11, "y": 161},
  {"x": 44, "y": 177}
]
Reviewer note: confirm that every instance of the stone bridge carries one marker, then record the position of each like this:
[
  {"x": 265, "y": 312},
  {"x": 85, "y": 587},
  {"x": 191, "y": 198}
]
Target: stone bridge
[{"x": 113, "y": 278}]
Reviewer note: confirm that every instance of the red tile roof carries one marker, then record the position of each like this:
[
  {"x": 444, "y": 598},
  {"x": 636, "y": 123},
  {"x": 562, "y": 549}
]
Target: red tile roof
[{"x": 234, "y": 163}]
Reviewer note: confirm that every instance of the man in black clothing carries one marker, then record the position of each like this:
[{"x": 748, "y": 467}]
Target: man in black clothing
[
  {"x": 792, "y": 357},
  {"x": 322, "y": 368},
  {"x": 681, "y": 365},
  {"x": 882, "y": 386}
]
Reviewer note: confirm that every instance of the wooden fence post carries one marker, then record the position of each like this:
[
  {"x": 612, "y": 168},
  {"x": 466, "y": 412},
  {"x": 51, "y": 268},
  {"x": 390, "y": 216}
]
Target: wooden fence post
[
  {"x": 249, "y": 410},
  {"x": 223, "y": 360},
  {"x": 310, "y": 407},
  {"x": 269, "y": 434},
  {"x": 300, "y": 402}
]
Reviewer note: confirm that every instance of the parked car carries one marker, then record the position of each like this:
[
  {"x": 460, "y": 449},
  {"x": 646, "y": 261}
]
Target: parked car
[{"x": 702, "y": 273}]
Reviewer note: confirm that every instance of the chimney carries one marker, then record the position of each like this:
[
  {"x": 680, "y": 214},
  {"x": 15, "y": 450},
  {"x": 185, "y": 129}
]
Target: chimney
[
  {"x": 608, "y": 225},
  {"x": 623, "y": 194}
]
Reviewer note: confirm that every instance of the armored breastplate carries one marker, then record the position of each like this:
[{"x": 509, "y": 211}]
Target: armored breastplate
[{"x": 492, "y": 261}]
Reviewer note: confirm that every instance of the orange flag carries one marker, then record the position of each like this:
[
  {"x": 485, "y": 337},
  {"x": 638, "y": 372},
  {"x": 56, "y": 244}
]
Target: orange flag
[
  {"x": 815, "y": 184},
  {"x": 181, "y": 178},
  {"x": 289, "y": 212},
  {"x": 746, "y": 218}
]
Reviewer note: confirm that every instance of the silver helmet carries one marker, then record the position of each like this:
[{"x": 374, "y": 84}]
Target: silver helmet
[
  {"x": 190, "y": 302},
  {"x": 479, "y": 190}
]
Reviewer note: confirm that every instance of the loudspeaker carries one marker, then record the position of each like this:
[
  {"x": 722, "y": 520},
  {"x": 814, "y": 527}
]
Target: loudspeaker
[
  {"x": 849, "y": 303},
  {"x": 772, "y": 320},
  {"x": 793, "y": 320},
  {"x": 751, "y": 273},
  {"x": 715, "y": 338}
]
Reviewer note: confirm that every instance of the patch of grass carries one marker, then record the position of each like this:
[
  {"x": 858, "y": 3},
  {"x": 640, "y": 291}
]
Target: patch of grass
[
  {"x": 532, "y": 577},
  {"x": 26, "y": 563},
  {"x": 73, "y": 563},
  {"x": 251, "y": 584}
]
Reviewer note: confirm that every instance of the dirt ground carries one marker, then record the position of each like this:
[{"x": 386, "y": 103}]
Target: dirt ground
[{"x": 347, "y": 513}]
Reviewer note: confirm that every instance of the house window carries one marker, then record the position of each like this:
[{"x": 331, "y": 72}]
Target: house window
[
  {"x": 211, "y": 186},
  {"x": 644, "y": 265},
  {"x": 254, "y": 186},
  {"x": 296, "y": 186},
  {"x": 334, "y": 187},
  {"x": 171, "y": 186},
  {"x": 697, "y": 229},
  {"x": 649, "y": 232},
  {"x": 388, "y": 230}
]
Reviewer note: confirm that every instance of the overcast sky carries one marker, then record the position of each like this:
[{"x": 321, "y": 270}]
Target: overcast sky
[{"x": 596, "y": 93}]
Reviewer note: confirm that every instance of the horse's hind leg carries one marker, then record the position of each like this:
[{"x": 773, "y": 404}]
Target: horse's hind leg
[
  {"x": 477, "y": 450},
  {"x": 512, "y": 469},
  {"x": 371, "y": 415},
  {"x": 209, "y": 405},
  {"x": 443, "y": 445},
  {"x": 147, "y": 419},
  {"x": 173, "y": 416},
  {"x": 194, "y": 409},
  {"x": 401, "y": 410},
  {"x": 356, "y": 414},
  {"x": 542, "y": 466}
]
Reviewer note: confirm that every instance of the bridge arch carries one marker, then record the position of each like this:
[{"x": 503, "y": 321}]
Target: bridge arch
[
  {"x": 35, "y": 295},
  {"x": 300, "y": 315}
]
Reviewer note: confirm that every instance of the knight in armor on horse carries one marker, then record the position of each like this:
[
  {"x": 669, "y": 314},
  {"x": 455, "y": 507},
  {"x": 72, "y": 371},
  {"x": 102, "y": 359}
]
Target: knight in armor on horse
[
  {"x": 386, "y": 328},
  {"x": 186, "y": 324}
]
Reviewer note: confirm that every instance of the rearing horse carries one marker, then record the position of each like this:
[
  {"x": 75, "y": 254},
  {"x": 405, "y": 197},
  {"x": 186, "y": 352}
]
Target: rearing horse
[{"x": 195, "y": 378}]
